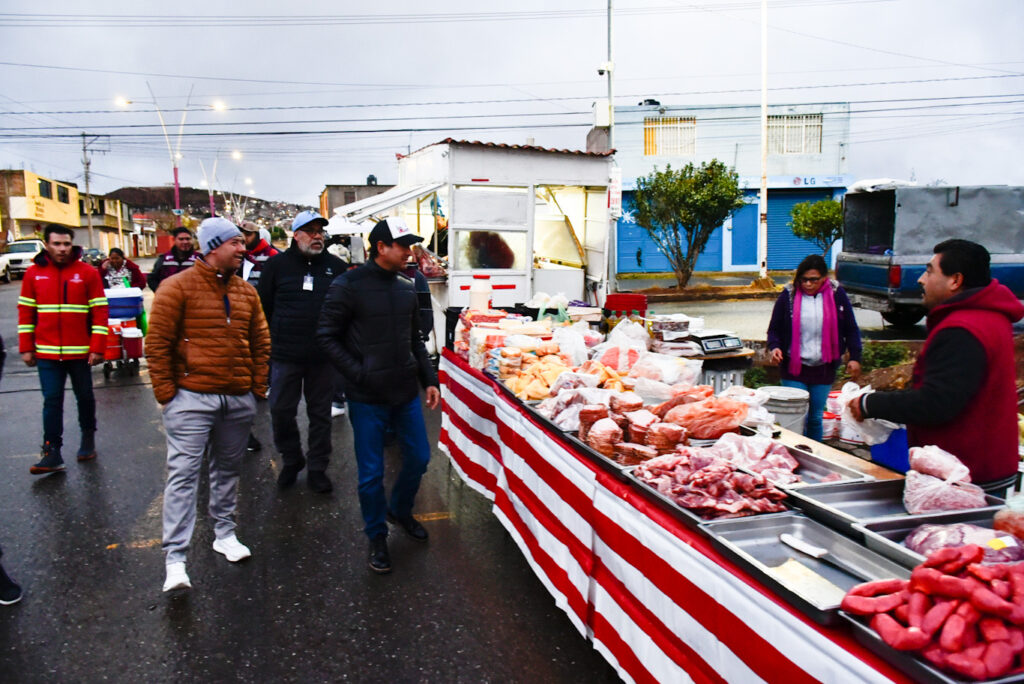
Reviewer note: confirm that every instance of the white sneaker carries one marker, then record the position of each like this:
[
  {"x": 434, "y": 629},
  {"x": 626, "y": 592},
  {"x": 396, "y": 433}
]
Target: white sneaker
[
  {"x": 337, "y": 411},
  {"x": 232, "y": 549},
  {"x": 177, "y": 578}
]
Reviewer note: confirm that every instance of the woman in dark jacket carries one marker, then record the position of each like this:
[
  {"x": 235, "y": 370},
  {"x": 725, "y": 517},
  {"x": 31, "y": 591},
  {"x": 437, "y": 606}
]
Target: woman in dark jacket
[{"x": 812, "y": 327}]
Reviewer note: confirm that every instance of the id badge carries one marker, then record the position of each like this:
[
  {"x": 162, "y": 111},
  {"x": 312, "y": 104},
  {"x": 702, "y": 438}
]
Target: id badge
[{"x": 307, "y": 283}]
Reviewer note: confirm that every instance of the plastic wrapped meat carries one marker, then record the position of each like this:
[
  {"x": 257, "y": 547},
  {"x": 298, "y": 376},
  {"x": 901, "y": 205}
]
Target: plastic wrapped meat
[
  {"x": 604, "y": 435},
  {"x": 639, "y": 423},
  {"x": 759, "y": 454},
  {"x": 665, "y": 436},
  {"x": 569, "y": 419},
  {"x": 683, "y": 394},
  {"x": 931, "y": 460},
  {"x": 571, "y": 381},
  {"x": 927, "y": 494},
  {"x": 590, "y": 414},
  {"x": 619, "y": 358},
  {"x": 626, "y": 402},
  {"x": 710, "y": 418},
  {"x": 928, "y": 538}
]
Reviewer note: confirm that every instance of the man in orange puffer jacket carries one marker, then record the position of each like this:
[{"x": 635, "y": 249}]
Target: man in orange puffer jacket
[{"x": 62, "y": 329}]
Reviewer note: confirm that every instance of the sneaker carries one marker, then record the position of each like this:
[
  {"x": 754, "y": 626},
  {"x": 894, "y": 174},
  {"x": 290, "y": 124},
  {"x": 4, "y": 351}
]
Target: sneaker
[
  {"x": 177, "y": 578},
  {"x": 232, "y": 549},
  {"x": 87, "y": 450},
  {"x": 254, "y": 444},
  {"x": 10, "y": 592},
  {"x": 411, "y": 526},
  {"x": 319, "y": 482},
  {"x": 50, "y": 461},
  {"x": 289, "y": 472},
  {"x": 337, "y": 410},
  {"x": 380, "y": 559}
]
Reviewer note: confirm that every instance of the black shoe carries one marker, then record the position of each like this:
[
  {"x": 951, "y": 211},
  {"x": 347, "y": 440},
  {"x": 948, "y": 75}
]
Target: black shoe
[
  {"x": 87, "y": 450},
  {"x": 254, "y": 444},
  {"x": 289, "y": 472},
  {"x": 411, "y": 526},
  {"x": 50, "y": 460},
  {"x": 319, "y": 482},
  {"x": 10, "y": 592},
  {"x": 380, "y": 559}
]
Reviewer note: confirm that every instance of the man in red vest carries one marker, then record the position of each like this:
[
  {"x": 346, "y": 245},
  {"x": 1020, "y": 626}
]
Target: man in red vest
[
  {"x": 963, "y": 397},
  {"x": 62, "y": 329}
]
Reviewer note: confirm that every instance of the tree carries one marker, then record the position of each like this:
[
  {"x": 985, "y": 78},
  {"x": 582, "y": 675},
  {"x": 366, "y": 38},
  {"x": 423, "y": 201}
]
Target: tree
[
  {"x": 821, "y": 222},
  {"x": 680, "y": 209}
]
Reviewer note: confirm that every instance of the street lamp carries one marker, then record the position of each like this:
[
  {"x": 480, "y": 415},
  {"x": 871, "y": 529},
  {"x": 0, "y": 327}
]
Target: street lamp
[{"x": 208, "y": 182}]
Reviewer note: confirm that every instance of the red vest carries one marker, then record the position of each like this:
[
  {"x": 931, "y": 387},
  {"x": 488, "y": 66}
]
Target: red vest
[{"x": 984, "y": 436}]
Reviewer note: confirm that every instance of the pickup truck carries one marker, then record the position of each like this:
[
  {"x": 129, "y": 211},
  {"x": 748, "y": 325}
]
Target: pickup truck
[
  {"x": 889, "y": 234},
  {"x": 16, "y": 259}
]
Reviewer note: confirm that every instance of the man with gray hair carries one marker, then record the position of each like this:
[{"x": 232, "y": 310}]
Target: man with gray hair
[{"x": 208, "y": 353}]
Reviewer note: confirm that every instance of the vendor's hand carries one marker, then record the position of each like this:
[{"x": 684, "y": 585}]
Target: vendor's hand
[
  {"x": 29, "y": 358},
  {"x": 853, "y": 368},
  {"x": 775, "y": 356},
  {"x": 855, "y": 406},
  {"x": 433, "y": 398},
  {"x": 95, "y": 358}
]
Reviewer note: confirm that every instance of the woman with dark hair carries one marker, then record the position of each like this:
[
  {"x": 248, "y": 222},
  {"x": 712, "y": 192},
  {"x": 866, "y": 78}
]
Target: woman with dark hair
[
  {"x": 116, "y": 268},
  {"x": 812, "y": 327}
]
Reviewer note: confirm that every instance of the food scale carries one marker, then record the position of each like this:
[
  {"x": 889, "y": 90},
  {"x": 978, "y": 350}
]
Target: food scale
[{"x": 716, "y": 341}]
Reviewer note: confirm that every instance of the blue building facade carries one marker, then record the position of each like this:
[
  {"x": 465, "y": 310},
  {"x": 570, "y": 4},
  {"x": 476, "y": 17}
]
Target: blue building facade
[{"x": 806, "y": 162}]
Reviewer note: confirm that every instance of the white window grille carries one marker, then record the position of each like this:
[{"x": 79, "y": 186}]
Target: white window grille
[
  {"x": 670, "y": 135},
  {"x": 794, "y": 134}
]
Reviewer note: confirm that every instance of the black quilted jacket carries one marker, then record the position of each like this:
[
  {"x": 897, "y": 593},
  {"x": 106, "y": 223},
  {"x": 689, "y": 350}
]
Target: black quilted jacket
[{"x": 369, "y": 329}]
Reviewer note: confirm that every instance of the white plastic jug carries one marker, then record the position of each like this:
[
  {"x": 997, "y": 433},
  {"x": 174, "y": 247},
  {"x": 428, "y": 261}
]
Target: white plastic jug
[{"x": 480, "y": 295}]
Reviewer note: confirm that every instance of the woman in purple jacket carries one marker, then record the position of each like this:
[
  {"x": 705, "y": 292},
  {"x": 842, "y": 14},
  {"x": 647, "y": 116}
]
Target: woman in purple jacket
[{"x": 812, "y": 327}]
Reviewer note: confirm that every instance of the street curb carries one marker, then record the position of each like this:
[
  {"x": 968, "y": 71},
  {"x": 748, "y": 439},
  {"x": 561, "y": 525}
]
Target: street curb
[{"x": 710, "y": 295}]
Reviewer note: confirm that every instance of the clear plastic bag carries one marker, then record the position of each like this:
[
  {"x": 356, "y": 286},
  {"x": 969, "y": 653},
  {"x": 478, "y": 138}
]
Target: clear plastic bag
[
  {"x": 670, "y": 370},
  {"x": 572, "y": 344},
  {"x": 927, "y": 494},
  {"x": 871, "y": 430},
  {"x": 931, "y": 460}
]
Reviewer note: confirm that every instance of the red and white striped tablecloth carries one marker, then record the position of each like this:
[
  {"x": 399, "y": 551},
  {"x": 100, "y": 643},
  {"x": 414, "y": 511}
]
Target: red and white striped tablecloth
[{"x": 657, "y": 600}]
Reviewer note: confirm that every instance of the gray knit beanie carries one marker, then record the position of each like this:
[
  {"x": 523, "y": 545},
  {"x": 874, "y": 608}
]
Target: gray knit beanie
[{"x": 214, "y": 232}]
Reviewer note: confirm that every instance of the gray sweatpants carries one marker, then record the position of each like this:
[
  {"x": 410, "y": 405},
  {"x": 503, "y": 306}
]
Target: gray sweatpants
[{"x": 192, "y": 421}]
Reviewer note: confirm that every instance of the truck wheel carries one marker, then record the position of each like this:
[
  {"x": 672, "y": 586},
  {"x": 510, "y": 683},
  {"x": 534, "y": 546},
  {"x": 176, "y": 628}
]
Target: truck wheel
[
  {"x": 904, "y": 317},
  {"x": 6, "y": 277}
]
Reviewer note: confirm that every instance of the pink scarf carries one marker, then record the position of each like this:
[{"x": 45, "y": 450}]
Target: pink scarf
[{"x": 829, "y": 330}]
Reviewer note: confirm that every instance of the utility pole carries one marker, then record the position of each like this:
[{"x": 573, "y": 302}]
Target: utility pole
[
  {"x": 762, "y": 203},
  {"x": 611, "y": 99},
  {"x": 88, "y": 140}
]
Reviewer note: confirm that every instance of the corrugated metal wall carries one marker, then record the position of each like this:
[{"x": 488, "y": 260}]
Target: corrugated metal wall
[
  {"x": 785, "y": 250},
  {"x": 637, "y": 253}
]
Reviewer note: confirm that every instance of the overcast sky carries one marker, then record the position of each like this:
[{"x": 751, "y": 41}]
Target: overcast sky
[{"x": 364, "y": 85}]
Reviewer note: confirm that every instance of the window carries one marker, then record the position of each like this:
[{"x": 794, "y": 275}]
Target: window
[
  {"x": 794, "y": 134},
  {"x": 670, "y": 135},
  {"x": 62, "y": 195},
  {"x": 45, "y": 189}
]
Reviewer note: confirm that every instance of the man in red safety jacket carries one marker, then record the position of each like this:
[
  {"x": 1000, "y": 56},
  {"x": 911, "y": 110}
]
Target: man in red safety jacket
[{"x": 62, "y": 329}]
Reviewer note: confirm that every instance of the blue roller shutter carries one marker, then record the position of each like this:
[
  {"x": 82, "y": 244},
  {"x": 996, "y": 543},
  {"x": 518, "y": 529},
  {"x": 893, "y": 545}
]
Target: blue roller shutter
[
  {"x": 785, "y": 250},
  {"x": 637, "y": 253}
]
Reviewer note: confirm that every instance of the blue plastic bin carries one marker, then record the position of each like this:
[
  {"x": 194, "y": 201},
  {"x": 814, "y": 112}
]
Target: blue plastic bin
[
  {"x": 125, "y": 302},
  {"x": 894, "y": 452}
]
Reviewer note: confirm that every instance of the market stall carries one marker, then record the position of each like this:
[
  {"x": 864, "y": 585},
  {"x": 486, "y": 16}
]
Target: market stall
[{"x": 689, "y": 546}]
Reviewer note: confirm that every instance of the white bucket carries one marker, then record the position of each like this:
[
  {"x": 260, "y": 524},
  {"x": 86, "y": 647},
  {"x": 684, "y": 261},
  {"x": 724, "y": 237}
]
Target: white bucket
[
  {"x": 480, "y": 295},
  {"x": 789, "y": 404}
]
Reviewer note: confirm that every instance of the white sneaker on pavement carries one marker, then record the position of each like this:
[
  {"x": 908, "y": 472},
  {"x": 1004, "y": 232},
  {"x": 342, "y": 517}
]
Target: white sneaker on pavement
[
  {"x": 232, "y": 549},
  {"x": 177, "y": 578},
  {"x": 337, "y": 411}
]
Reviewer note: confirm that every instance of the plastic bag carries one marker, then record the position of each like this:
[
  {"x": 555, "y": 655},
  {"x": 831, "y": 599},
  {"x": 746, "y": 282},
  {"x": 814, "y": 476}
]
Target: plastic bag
[
  {"x": 750, "y": 397},
  {"x": 927, "y": 494},
  {"x": 652, "y": 391},
  {"x": 710, "y": 418},
  {"x": 931, "y": 460},
  {"x": 630, "y": 334},
  {"x": 571, "y": 381},
  {"x": 571, "y": 344},
  {"x": 617, "y": 357},
  {"x": 871, "y": 430},
  {"x": 670, "y": 370}
]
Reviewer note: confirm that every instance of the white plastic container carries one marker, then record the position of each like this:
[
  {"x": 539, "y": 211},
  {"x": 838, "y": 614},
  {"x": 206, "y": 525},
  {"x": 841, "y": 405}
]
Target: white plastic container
[
  {"x": 480, "y": 295},
  {"x": 790, "y": 405}
]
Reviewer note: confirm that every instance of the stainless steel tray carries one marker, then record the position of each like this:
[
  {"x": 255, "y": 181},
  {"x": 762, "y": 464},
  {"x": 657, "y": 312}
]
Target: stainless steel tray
[
  {"x": 692, "y": 520},
  {"x": 813, "y": 469},
  {"x": 917, "y": 668},
  {"x": 886, "y": 535},
  {"x": 754, "y": 543},
  {"x": 843, "y": 505}
]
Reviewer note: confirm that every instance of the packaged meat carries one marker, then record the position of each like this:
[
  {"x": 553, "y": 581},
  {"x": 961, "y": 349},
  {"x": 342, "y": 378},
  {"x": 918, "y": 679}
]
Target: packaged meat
[
  {"x": 680, "y": 348},
  {"x": 620, "y": 359},
  {"x": 590, "y": 414},
  {"x": 631, "y": 453},
  {"x": 669, "y": 322},
  {"x": 569, "y": 419},
  {"x": 931, "y": 460},
  {"x": 620, "y": 420},
  {"x": 1011, "y": 518},
  {"x": 759, "y": 454},
  {"x": 572, "y": 380},
  {"x": 626, "y": 402},
  {"x": 604, "y": 435},
  {"x": 927, "y": 494},
  {"x": 639, "y": 423},
  {"x": 683, "y": 394},
  {"x": 1000, "y": 547},
  {"x": 665, "y": 436},
  {"x": 667, "y": 369},
  {"x": 709, "y": 418}
]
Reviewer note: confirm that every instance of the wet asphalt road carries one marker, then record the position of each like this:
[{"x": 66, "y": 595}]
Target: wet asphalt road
[{"x": 85, "y": 545}]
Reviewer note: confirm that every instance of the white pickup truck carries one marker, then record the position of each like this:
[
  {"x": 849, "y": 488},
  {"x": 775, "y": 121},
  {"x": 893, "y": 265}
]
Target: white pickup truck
[{"x": 16, "y": 259}]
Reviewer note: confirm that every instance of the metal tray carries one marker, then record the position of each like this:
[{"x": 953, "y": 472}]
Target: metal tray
[
  {"x": 813, "y": 469},
  {"x": 754, "y": 543},
  {"x": 917, "y": 668},
  {"x": 886, "y": 535},
  {"x": 843, "y": 505},
  {"x": 595, "y": 454}
]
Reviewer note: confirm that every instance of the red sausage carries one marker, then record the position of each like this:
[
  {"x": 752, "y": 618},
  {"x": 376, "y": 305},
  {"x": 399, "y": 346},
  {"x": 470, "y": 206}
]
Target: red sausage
[
  {"x": 902, "y": 614},
  {"x": 987, "y": 573},
  {"x": 935, "y": 654},
  {"x": 987, "y": 601},
  {"x": 937, "y": 616},
  {"x": 969, "y": 613},
  {"x": 886, "y": 586},
  {"x": 1016, "y": 639},
  {"x": 993, "y": 629},
  {"x": 896, "y": 635},
  {"x": 917, "y": 607},
  {"x": 971, "y": 553},
  {"x": 952, "y": 637},
  {"x": 1002, "y": 589},
  {"x": 998, "y": 659},
  {"x": 963, "y": 664},
  {"x": 869, "y": 605},
  {"x": 1017, "y": 584},
  {"x": 941, "y": 557},
  {"x": 931, "y": 581}
]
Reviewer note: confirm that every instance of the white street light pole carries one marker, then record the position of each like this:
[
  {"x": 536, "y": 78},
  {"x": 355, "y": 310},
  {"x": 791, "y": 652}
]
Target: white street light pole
[
  {"x": 175, "y": 151},
  {"x": 762, "y": 203}
]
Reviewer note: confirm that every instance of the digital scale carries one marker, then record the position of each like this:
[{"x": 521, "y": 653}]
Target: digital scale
[{"x": 716, "y": 341}]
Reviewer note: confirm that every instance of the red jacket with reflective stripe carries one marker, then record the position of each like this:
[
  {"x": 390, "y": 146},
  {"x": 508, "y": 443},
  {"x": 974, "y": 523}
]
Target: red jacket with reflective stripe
[{"x": 62, "y": 311}]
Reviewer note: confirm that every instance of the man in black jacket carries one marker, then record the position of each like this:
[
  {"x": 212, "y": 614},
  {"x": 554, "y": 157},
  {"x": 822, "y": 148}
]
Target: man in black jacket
[
  {"x": 369, "y": 328},
  {"x": 292, "y": 287},
  {"x": 181, "y": 257}
]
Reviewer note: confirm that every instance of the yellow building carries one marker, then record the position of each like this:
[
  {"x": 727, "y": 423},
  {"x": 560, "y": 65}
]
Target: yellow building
[{"x": 29, "y": 201}]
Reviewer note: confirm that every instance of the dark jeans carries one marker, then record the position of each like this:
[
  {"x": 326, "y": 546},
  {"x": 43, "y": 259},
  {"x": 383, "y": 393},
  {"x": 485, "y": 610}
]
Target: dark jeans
[
  {"x": 52, "y": 377},
  {"x": 369, "y": 422},
  {"x": 288, "y": 382},
  {"x": 339, "y": 388}
]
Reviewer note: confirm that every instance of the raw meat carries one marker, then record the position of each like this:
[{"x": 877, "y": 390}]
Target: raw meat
[
  {"x": 928, "y": 538},
  {"x": 709, "y": 418},
  {"x": 665, "y": 436},
  {"x": 630, "y": 453},
  {"x": 626, "y": 402},
  {"x": 931, "y": 460},
  {"x": 683, "y": 394},
  {"x": 590, "y": 414},
  {"x": 927, "y": 494},
  {"x": 639, "y": 423},
  {"x": 619, "y": 358},
  {"x": 569, "y": 419},
  {"x": 604, "y": 435}
]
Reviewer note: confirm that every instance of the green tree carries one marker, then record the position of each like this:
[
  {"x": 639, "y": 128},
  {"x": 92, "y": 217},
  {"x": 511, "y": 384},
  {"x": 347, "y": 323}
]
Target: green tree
[
  {"x": 680, "y": 209},
  {"x": 820, "y": 222}
]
